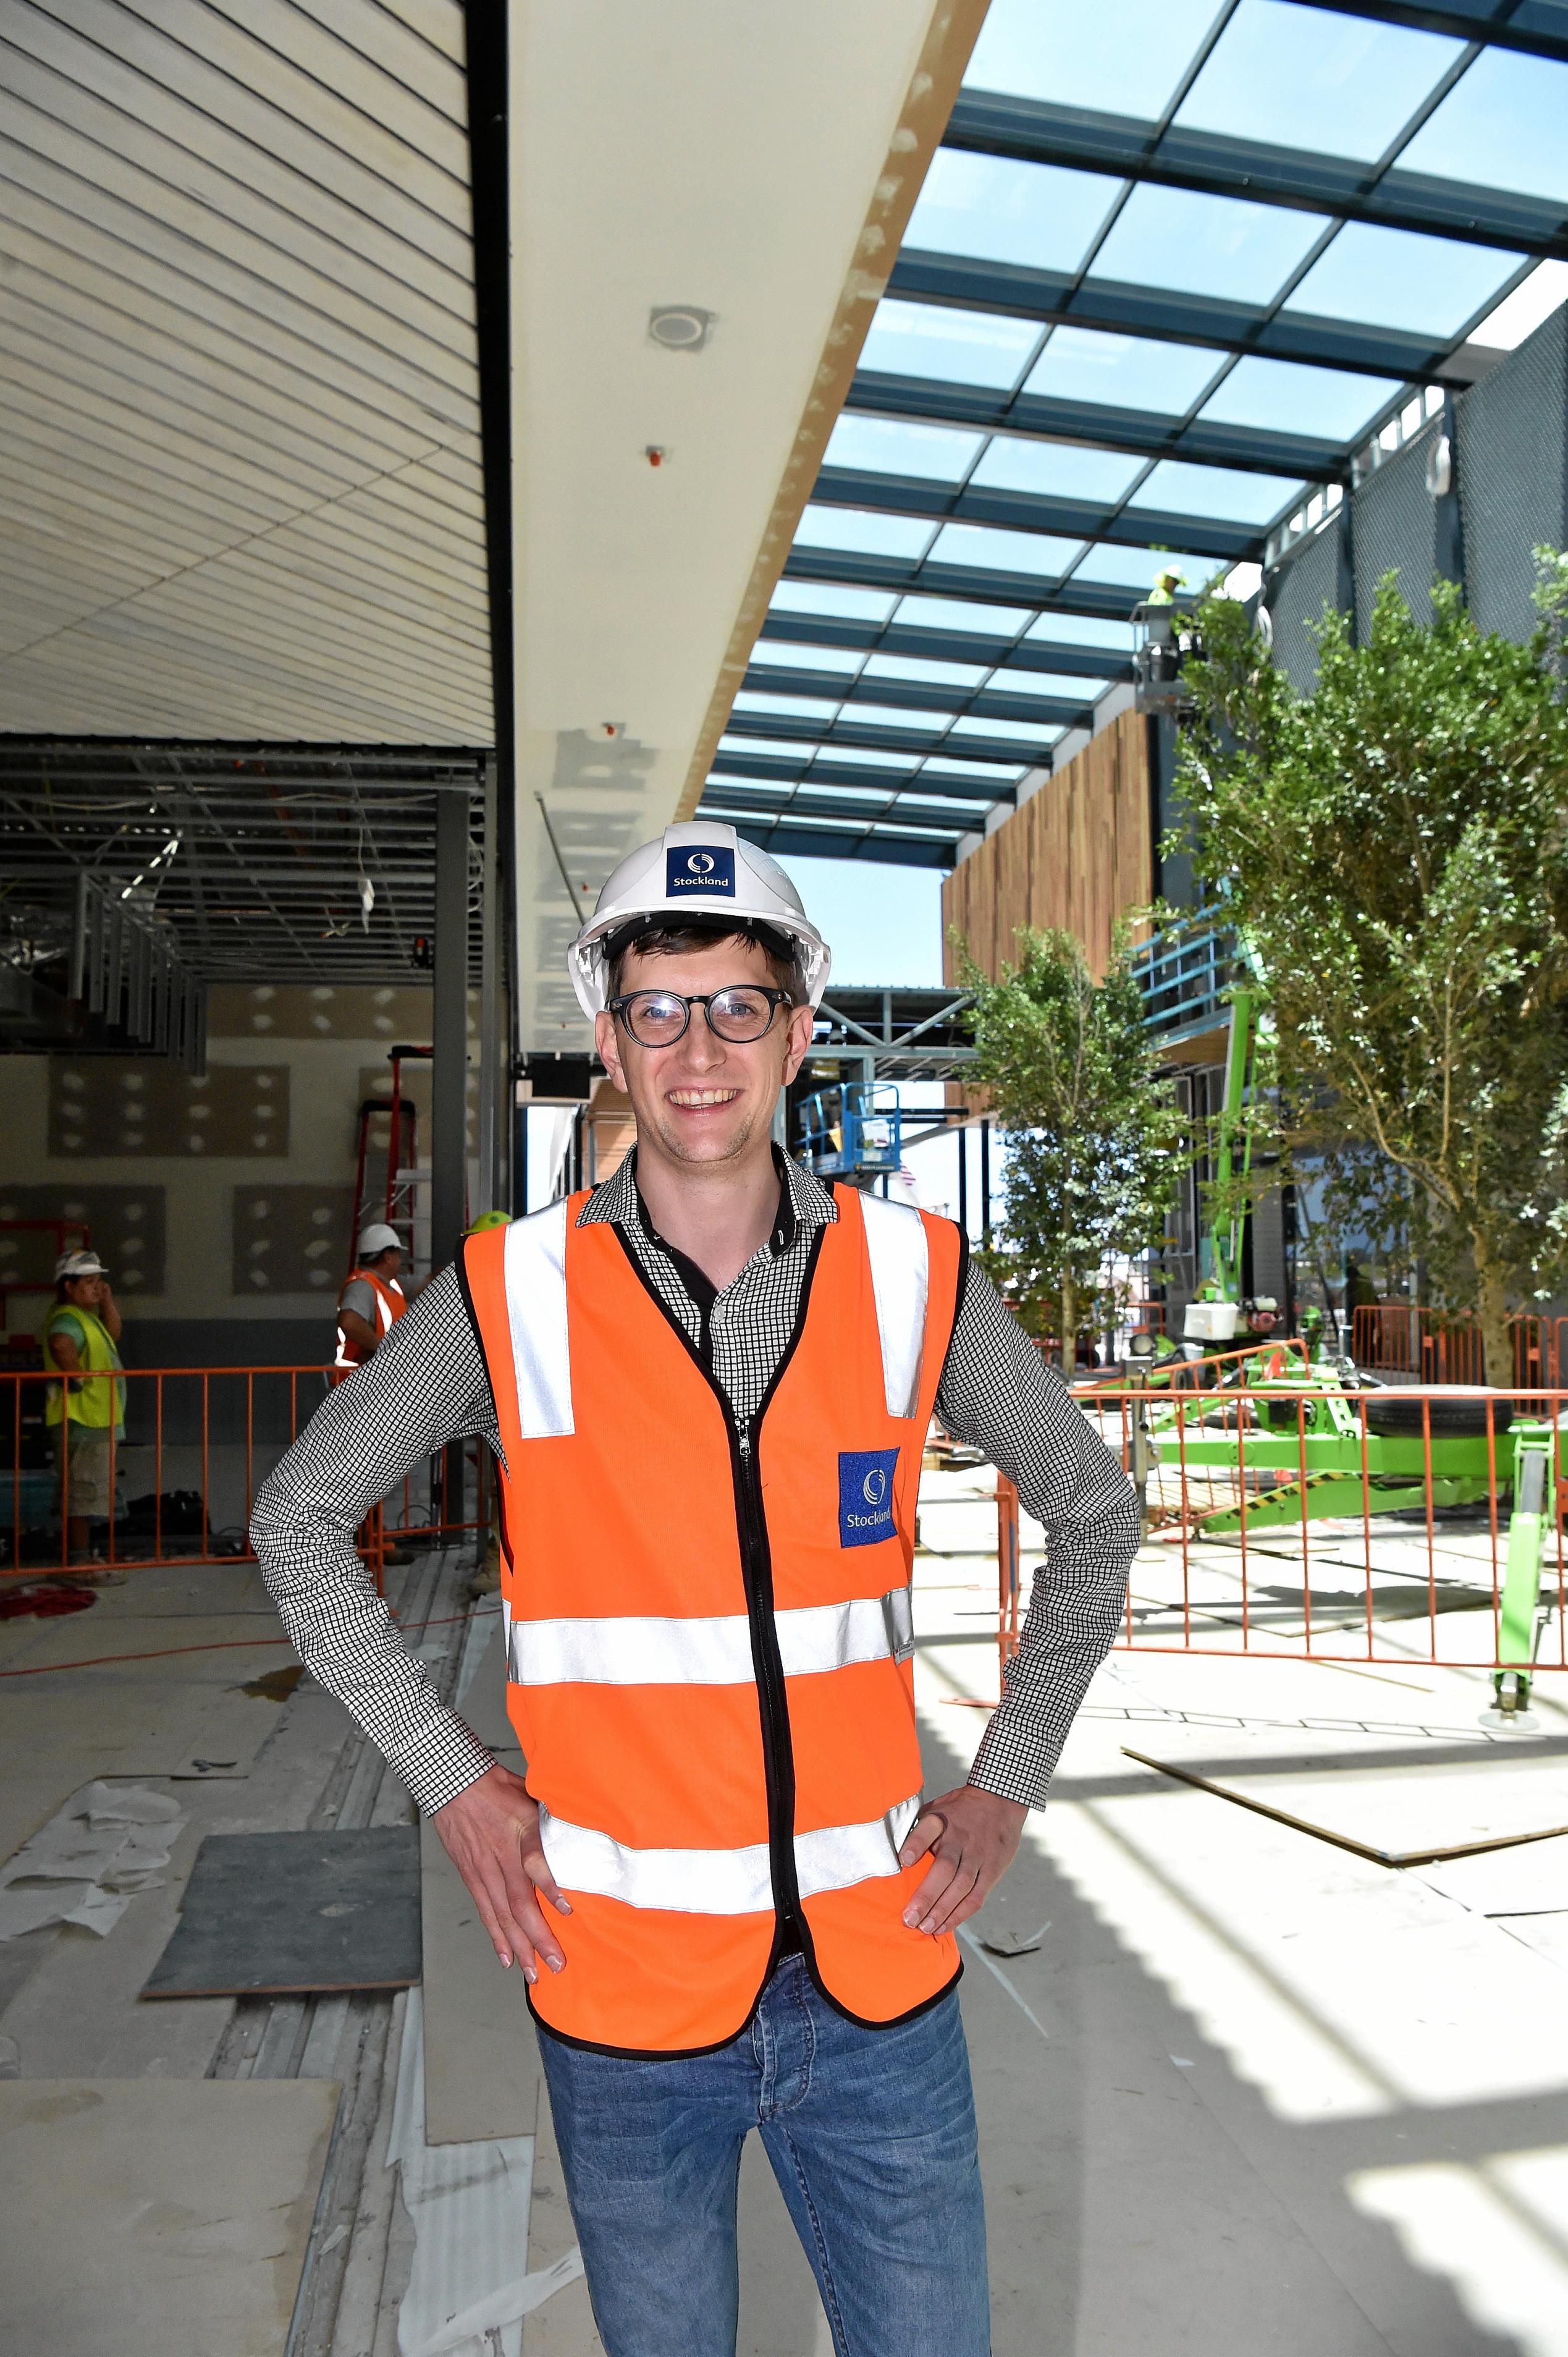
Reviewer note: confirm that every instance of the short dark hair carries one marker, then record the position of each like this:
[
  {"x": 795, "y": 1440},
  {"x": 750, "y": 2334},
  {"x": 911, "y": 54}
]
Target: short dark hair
[{"x": 674, "y": 936}]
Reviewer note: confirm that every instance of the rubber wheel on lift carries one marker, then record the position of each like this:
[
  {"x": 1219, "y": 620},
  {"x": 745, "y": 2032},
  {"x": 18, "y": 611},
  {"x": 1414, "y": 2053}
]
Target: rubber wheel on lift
[{"x": 1455, "y": 1414}]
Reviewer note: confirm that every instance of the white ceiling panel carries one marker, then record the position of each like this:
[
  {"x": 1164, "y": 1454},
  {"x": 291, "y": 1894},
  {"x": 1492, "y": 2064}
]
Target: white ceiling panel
[{"x": 240, "y": 488}]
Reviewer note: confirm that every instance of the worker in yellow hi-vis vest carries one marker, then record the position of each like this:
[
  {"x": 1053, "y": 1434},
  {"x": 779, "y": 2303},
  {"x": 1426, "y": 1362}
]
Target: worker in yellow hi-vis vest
[{"x": 87, "y": 1408}]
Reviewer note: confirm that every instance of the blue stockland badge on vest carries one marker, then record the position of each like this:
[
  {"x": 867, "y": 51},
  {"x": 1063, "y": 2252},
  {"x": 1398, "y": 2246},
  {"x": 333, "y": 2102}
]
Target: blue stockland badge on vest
[
  {"x": 696, "y": 871},
  {"x": 865, "y": 1495}
]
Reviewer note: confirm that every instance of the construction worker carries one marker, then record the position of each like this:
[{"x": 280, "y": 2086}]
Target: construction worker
[
  {"x": 707, "y": 1382},
  {"x": 371, "y": 1300},
  {"x": 1167, "y": 581},
  {"x": 87, "y": 1410}
]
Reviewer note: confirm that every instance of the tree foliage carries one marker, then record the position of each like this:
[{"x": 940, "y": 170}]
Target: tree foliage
[
  {"x": 1094, "y": 1139},
  {"x": 1393, "y": 849}
]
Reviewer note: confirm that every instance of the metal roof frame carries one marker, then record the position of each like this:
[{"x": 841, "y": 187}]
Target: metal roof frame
[
  {"x": 1098, "y": 520},
  {"x": 1032, "y": 131},
  {"x": 911, "y": 695},
  {"x": 1534, "y": 26},
  {"x": 973, "y": 647}
]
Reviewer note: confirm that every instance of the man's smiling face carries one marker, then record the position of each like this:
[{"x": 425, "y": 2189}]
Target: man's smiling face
[{"x": 704, "y": 1098}]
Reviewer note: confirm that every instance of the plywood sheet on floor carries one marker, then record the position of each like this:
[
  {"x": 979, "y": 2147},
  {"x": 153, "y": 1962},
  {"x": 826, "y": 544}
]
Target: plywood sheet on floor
[
  {"x": 1428, "y": 1802},
  {"x": 1531, "y": 1880},
  {"x": 563, "y": 2326},
  {"x": 484, "y": 1704},
  {"x": 482, "y": 2052},
  {"x": 149, "y": 2218},
  {"x": 297, "y": 1911}
]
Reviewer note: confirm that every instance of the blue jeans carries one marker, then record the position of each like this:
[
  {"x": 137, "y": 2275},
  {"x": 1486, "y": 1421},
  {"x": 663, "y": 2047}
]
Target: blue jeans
[{"x": 871, "y": 2134}]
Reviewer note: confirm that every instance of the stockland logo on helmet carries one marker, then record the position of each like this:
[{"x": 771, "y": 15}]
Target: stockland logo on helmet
[
  {"x": 865, "y": 1495},
  {"x": 699, "y": 871}
]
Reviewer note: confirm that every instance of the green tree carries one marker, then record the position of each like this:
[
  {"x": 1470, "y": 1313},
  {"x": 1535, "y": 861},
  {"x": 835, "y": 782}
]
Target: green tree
[
  {"x": 1095, "y": 1142},
  {"x": 1394, "y": 849}
]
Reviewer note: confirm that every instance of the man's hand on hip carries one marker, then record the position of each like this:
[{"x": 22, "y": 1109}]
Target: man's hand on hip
[
  {"x": 973, "y": 1838},
  {"x": 492, "y": 1834}
]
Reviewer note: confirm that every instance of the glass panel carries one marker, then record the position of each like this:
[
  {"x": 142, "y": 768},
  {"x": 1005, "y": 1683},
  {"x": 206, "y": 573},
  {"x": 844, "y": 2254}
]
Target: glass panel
[
  {"x": 1520, "y": 313},
  {"x": 894, "y": 716},
  {"x": 869, "y": 757},
  {"x": 1131, "y": 55},
  {"x": 823, "y": 597},
  {"x": 1028, "y": 732},
  {"x": 1396, "y": 278},
  {"x": 1289, "y": 397},
  {"x": 1123, "y": 372},
  {"x": 963, "y": 346},
  {"x": 785, "y": 708},
  {"x": 1504, "y": 125},
  {"x": 1206, "y": 246},
  {"x": 1304, "y": 78},
  {"x": 1139, "y": 567},
  {"x": 1084, "y": 630},
  {"x": 785, "y": 654},
  {"x": 1227, "y": 492},
  {"x": 999, "y": 210},
  {"x": 992, "y": 772},
  {"x": 773, "y": 749},
  {"x": 878, "y": 446},
  {"x": 1009, "y": 682},
  {"x": 1056, "y": 469},
  {"x": 916, "y": 667},
  {"x": 864, "y": 531},
  {"x": 1002, "y": 551},
  {"x": 958, "y": 614}
]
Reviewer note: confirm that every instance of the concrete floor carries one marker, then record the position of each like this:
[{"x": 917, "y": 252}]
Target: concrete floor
[{"x": 1248, "y": 2095}]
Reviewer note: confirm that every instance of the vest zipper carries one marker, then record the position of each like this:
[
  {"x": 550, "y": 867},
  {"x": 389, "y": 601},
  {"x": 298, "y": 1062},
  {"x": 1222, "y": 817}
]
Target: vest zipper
[{"x": 778, "y": 1751}]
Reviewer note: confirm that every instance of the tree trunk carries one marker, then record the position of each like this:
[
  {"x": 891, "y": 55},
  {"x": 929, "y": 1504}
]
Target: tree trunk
[
  {"x": 1492, "y": 1302},
  {"x": 1069, "y": 1327}
]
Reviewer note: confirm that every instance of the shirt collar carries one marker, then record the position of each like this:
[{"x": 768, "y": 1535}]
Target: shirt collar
[{"x": 803, "y": 1203}]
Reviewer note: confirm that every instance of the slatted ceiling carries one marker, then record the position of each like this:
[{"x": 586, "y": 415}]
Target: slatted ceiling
[{"x": 239, "y": 473}]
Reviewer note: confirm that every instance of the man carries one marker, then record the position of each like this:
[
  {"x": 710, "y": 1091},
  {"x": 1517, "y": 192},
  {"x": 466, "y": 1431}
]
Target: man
[
  {"x": 81, "y": 1335},
  {"x": 708, "y": 1383},
  {"x": 371, "y": 1300}
]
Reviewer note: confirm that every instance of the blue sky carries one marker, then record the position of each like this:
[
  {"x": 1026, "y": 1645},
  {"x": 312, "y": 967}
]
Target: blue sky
[{"x": 882, "y": 924}]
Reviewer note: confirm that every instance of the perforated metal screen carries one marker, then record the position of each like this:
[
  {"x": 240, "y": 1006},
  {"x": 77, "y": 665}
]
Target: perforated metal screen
[
  {"x": 1513, "y": 476},
  {"x": 1394, "y": 530},
  {"x": 1301, "y": 589}
]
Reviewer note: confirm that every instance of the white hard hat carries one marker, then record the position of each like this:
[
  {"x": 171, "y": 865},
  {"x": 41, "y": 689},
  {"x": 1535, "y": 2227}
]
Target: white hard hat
[
  {"x": 700, "y": 868},
  {"x": 378, "y": 1238},
  {"x": 79, "y": 1263}
]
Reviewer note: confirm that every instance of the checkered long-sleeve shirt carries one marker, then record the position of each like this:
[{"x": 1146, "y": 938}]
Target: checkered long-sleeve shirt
[{"x": 426, "y": 1386}]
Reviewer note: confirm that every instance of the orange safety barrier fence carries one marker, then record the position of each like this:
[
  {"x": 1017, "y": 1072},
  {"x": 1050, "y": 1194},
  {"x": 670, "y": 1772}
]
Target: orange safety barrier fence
[
  {"x": 1444, "y": 1346},
  {"x": 198, "y": 1442},
  {"x": 1269, "y": 1535}
]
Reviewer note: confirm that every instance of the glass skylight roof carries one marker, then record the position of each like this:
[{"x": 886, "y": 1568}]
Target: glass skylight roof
[
  {"x": 882, "y": 445},
  {"x": 1222, "y": 246},
  {"x": 1331, "y": 405},
  {"x": 1055, "y": 470},
  {"x": 1504, "y": 125},
  {"x": 861, "y": 528},
  {"x": 965, "y": 347},
  {"x": 1122, "y": 371},
  {"x": 1396, "y": 278},
  {"x": 1242, "y": 397},
  {"x": 1307, "y": 78},
  {"x": 1004, "y": 552},
  {"x": 1130, "y": 57},
  {"x": 1035, "y": 214}
]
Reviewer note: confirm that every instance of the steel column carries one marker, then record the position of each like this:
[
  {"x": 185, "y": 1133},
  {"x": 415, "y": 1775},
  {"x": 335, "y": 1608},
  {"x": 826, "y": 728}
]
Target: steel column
[{"x": 449, "y": 1085}]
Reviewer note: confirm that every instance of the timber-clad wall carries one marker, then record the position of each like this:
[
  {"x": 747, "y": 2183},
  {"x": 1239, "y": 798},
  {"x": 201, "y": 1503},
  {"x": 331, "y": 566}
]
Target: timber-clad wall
[{"x": 1075, "y": 855}]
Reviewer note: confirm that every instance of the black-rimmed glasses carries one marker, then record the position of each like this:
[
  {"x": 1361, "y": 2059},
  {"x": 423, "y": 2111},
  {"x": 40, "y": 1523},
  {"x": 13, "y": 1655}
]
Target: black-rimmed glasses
[{"x": 657, "y": 1018}]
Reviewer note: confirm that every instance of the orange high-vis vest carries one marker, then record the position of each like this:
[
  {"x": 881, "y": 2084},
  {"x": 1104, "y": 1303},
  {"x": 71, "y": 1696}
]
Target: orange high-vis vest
[
  {"x": 391, "y": 1303},
  {"x": 708, "y": 1631}
]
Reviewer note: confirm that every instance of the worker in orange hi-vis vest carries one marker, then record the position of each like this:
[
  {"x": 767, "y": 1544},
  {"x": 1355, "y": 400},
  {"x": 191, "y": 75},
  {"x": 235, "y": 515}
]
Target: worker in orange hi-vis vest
[
  {"x": 371, "y": 1300},
  {"x": 707, "y": 1382}
]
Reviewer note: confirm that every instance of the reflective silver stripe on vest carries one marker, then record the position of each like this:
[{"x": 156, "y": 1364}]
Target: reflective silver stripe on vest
[
  {"x": 900, "y": 1276},
  {"x": 641, "y": 1651},
  {"x": 722, "y": 1882},
  {"x": 535, "y": 1266}
]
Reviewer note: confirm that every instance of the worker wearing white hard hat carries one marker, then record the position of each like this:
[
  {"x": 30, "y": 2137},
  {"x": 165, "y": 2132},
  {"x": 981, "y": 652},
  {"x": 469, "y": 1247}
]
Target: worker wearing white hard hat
[
  {"x": 86, "y": 1408},
  {"x": 371, "y": 1300}
]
